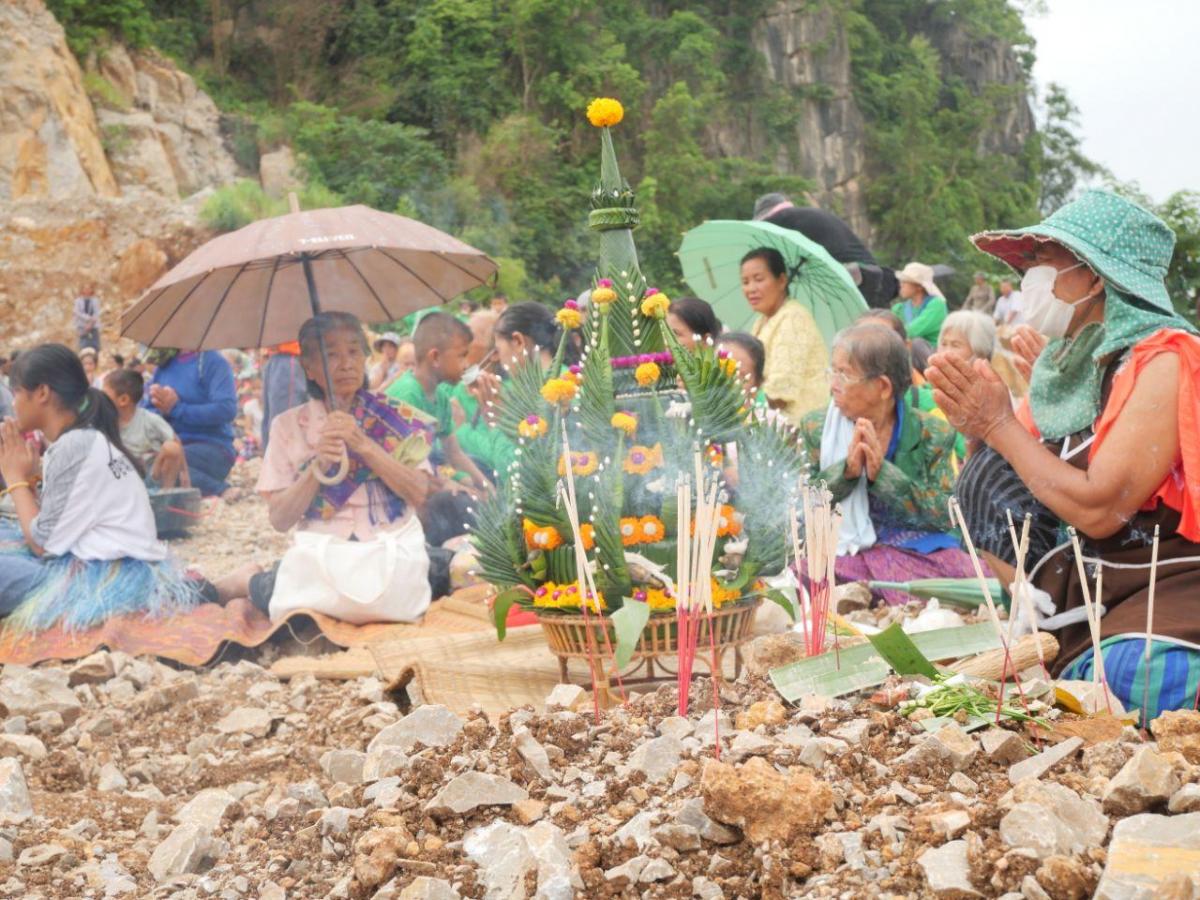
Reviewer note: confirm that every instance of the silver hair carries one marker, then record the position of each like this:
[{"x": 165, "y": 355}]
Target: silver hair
[
  {"x": 978, "y": 328},
  {"x": 879, "y": 352}
]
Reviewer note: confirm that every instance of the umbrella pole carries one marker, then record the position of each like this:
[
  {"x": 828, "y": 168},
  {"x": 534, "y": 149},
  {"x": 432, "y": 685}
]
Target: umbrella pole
[{"x": 314, "y": 301}]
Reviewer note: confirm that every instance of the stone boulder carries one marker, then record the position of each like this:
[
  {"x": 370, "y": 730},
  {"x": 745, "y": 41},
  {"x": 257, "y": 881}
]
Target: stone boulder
[
  {"x": 765, "y": 803},
  {"x": 139, "y": 266},
  {"x": 277, "y": 172},
  {"x": 169, "y": 136}
]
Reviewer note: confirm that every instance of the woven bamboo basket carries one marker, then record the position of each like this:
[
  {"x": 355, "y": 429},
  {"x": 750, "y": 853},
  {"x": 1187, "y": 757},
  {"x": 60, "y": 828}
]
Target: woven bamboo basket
[{"x": 567, "y": 636}]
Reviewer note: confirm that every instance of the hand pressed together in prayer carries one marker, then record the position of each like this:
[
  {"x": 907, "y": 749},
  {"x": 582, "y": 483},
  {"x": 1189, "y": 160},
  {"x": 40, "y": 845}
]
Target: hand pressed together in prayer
[
  {"x": 972, "y": 396},
  {"x": 866, "y": 453},
  {"x": 486, "y": 389},
  {"x": 18, "y": 458},
  {"x": 1027, "y": 345}
]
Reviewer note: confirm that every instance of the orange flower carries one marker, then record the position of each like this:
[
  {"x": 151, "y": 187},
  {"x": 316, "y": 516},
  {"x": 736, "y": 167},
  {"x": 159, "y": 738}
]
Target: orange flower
[
  {"x": 651, "y": 529},
  {"x": 559, "y": 391},
  {"x": 604, "y": 112},
  {"x": 728, "y": 365},
  {"x": 729, "y": 523},
  {"x": 642, "y": 460},
  {"x": 532, "y": 427},
  {"x": 544, "y": 538},
  {"x": 647, "y": 374},
  {"x": 626, "y": 422},
  {"x": 630, "y": 528},
  {"x": 722, "y": 595},
  {"x": 582, "y": 464},
  {"x": 587, "y": 534}
]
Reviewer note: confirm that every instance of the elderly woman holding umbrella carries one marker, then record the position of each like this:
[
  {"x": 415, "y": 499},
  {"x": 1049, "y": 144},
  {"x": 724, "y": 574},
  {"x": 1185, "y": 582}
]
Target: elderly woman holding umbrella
[
  {"x": 349, "y": 463},
  {"x": 1107, "y": 444}
]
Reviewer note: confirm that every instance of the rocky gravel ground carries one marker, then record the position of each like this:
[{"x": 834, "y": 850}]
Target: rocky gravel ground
[{"x": 124, "y": 777}]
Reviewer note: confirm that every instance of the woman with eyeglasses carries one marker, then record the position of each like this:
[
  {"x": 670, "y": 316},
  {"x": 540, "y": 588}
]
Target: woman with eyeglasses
[
  {"x": 794, "y": 376},
  {"x": 888, "y": 464}
]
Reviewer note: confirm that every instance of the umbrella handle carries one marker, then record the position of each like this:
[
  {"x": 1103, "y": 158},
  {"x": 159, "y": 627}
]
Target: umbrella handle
[{"x": 337, "y": 477}]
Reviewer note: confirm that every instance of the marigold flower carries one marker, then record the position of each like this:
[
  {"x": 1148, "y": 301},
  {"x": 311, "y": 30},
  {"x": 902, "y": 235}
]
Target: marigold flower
[
  {"x": 602, "y": 296},
  {"x": 651, "y": 529},
  {"x": 604, "y": 112},
  {"x": 629, "y": 532},
  {"x": 716, "y": 455},
  {"x": 582, "y": 464},
  {"x": 569, "y": 318},
  {"x": 647, "y": 374},
  {"x": 655, "y": 305},
  {"x": 626, "y": 422},
  {"x": 659, "y": 600},
  {"x": 729, "y": 524},
  {"x": 559, "y": 391},
  {"x": 587, "y": 535},
  {"x": 544, "y": 538},
  {"x": 532, "y": 427},
  {"x": 722, "y": 595},
  {"x": 642, "y": 460},
  {"x": 728, "y": 365}
]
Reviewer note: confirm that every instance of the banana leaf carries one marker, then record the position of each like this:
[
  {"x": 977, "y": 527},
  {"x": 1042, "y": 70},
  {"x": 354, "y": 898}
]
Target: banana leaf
[{"x": 962, "y": 592}]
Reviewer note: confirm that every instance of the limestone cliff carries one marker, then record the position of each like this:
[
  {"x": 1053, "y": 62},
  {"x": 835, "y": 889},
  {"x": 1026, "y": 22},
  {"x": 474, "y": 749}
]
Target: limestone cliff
[
  {"x": 806, "y": 53},
  {"x": 91, "y": 188},
  {"x": 50, "y": 145}
]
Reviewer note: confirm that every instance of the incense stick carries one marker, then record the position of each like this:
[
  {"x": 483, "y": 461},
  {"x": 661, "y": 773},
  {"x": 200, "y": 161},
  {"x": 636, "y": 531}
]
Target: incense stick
[
  {"x": 1149, "y": 629},
  {"x": 956, "y": 514},
  {"x": 1093, "y": 615}
]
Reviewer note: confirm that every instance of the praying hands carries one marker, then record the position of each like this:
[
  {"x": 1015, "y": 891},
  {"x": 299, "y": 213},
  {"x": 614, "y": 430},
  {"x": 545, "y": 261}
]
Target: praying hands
[
  {"x": 866, "y": 453},
  {"x": 974, "y": 399}
]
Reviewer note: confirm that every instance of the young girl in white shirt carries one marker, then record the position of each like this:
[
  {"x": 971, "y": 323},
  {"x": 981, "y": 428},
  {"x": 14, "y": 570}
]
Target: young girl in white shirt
[{"x": 87, "y": 547}]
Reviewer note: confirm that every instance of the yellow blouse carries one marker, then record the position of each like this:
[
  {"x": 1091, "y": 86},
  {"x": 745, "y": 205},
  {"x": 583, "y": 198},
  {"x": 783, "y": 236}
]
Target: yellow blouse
[{"x": 797, "y": 360}]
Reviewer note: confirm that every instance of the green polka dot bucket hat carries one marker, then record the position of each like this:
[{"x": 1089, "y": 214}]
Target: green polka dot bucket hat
[{"x": 1128, "y": 246}]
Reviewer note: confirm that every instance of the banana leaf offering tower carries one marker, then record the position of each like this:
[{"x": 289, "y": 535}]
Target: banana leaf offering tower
[{"x": 586, "y": 528}]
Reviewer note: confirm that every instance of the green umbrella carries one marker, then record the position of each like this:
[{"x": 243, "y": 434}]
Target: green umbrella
[
  {"x": 711, "y": 256},
  {"x": 964, "y": 592}
]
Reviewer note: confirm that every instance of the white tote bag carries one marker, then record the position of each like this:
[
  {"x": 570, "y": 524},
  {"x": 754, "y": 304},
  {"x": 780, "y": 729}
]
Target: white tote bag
[{"x": 382, "y": 580}]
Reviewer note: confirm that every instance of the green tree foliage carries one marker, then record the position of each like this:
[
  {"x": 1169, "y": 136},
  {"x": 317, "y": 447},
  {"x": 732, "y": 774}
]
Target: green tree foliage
[
  {"x": 468, "y": 113},
  {"x": 931, "y": 183},
  {"x": 1064, "y": 165},
  {"x": 89, "y": 22}
]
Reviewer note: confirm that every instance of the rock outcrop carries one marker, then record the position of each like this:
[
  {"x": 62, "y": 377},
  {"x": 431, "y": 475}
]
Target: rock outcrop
[
  {"x": 168, "y": 138},
  {"x": 806, "y": 50},
  {"x": 50, "y": 144}
]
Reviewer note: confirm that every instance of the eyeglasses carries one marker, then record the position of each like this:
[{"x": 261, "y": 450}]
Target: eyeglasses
[{"x": 842, "y": 378}]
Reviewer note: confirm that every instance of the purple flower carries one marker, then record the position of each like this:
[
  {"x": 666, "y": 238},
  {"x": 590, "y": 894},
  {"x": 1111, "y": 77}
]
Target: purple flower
[
  {"x": 604, "y": 282},
  {"x": 650, "y": 292},
  {"x": 571, "y": 304}
]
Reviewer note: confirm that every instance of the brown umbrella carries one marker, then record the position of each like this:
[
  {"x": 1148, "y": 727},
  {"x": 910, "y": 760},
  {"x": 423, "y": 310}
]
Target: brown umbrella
[{"x": 256, "y": 286}]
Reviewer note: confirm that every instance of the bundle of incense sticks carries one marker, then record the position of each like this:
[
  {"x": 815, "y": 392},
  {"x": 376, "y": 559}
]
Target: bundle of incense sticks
[
  {"x": 956, "y": 516},
  {"x": 818, "y": 552},
  {"x": 586, "y": 584},
  {"x": 1093, "y": 615},
  {"x": 1021, "y": 586},
  {"x": 696, "y": 546}
]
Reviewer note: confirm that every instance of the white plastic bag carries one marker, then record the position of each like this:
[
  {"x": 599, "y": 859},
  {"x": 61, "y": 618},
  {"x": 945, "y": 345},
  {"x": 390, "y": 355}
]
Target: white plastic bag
[{"x": 382, "y": 580}]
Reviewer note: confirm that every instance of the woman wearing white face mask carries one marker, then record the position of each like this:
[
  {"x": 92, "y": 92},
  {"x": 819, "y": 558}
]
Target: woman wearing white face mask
[{"x": 1108, "y": 441}]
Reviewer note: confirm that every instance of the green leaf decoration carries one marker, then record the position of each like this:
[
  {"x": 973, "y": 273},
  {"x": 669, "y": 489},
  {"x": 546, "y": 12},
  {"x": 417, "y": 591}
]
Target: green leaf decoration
[
  {"x": 498, "y": 542},
  {"x": 521, "y": 397},
  {"x": 628, "y": 622},
  {"x": 612, "y": 574},
  {"x": 596, "y": 396},
  {"x": 781, "y": 599},
  {"x": 500, "y": 607},
  {"x": 769, "y": 470},
  {"x": 899, "y": 652},
  {"x": 718, "y": 404}
]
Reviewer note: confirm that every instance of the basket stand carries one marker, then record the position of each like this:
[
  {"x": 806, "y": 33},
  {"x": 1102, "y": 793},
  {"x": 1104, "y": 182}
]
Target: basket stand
[{"x": 654, "y": 658}]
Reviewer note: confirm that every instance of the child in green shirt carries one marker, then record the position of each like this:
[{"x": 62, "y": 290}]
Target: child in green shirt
[{"x": 441, "y": 343}]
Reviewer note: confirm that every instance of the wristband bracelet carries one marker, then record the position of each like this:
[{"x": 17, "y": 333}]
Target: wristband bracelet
[{"x": 20, "y": 484}]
